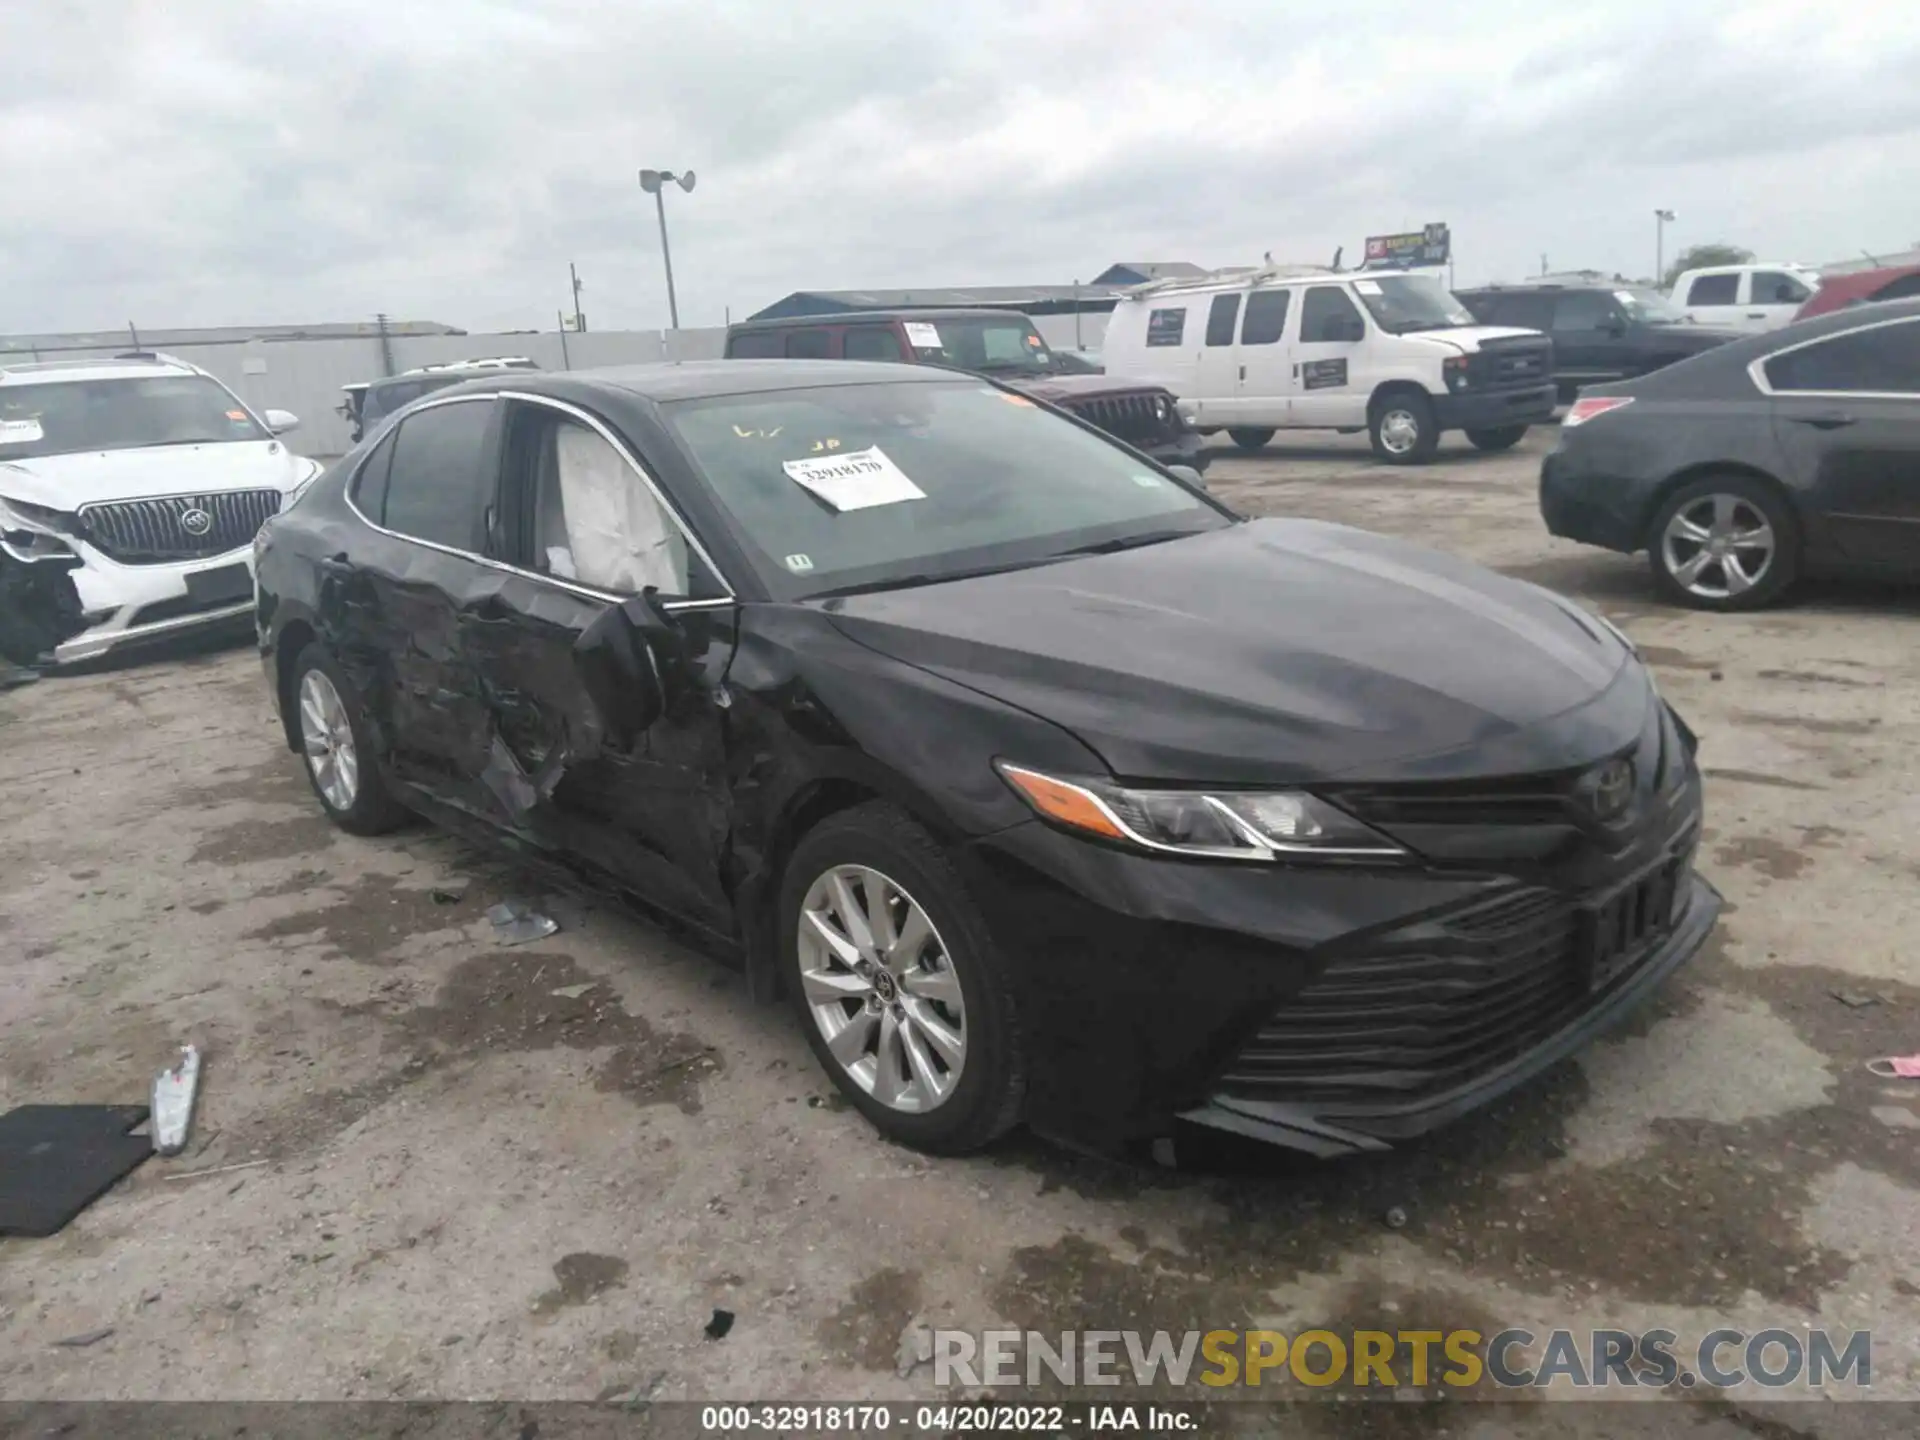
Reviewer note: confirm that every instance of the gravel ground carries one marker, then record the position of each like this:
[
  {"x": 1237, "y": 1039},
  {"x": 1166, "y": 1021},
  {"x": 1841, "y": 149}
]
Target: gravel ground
[{"x": 475, "y": 1186}]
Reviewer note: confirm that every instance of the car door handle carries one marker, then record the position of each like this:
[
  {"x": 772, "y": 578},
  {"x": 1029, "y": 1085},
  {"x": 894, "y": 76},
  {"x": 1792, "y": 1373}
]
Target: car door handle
[
  {"x": 1826, "y": 420},
  {"x": 1756, "y": 314},
  {"x": 1243, "y": 372}
]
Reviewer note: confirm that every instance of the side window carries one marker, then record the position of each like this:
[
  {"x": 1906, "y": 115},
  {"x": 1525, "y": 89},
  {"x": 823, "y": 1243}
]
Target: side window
[
  {"x": 440, "y": 481},
  {"x": 756, "y": 345},
  {"x": 1328, "y": 315},
  {"x": 1266, "y": 317},
  {"x": 595, "y": 520},
  {"x": 1884, "y": 359},
  {"x": 1901, "y": 289},
  {"x": 1220, "y": 317},
  {"x": 370, "y": 484},
  {"x": 1524, "y": 312},
  {"x": 809, "y": 344},
  {"x": 1770, "y": 287},
  {"x": 870, "y": 342},
  {"x": 1581, "y": 310},
  {"x": 1165, "y": 327},
  {"x": 1714, "y": 290}
]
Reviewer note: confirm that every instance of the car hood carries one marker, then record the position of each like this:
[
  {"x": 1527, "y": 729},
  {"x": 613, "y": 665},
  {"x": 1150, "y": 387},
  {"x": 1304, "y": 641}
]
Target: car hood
[
  {"x": 66, "y": 482},
  {"x": 1079, "y": 387},
  {"x": 1277, "y": 651},
  {"x": 1468, "y": 338}
]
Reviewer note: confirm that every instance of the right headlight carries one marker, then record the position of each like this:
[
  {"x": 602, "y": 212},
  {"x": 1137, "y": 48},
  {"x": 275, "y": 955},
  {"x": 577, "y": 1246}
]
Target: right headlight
[
  {"x": 1209, "y": 824},
  {"x": 31, "y": 532}
]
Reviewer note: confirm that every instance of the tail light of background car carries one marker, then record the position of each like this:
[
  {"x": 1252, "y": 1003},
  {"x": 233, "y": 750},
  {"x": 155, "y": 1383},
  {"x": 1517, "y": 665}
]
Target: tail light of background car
[{"x": 1585, "y": 410}]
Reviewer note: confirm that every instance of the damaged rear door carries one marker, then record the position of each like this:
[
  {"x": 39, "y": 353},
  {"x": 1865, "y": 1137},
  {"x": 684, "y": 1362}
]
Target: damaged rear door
[{"x": 583, "y": 527}]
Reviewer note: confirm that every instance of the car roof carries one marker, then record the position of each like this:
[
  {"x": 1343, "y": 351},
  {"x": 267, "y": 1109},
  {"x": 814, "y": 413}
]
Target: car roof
[
  {"x": 43, "y": 372},
  {"x": 1539, "y": 287},
  {"x": 670, "y": 381},
  {"x": 851, "y": 317},
  {"x": 1737, "y": 354}
]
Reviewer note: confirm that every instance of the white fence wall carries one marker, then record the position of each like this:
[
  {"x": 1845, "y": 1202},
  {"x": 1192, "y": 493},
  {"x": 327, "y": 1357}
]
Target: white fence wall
[{"x": 305, "y": 376}]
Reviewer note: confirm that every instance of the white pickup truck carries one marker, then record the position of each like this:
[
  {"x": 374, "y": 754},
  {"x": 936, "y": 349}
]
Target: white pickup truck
[{"x": 1753, "y": 296}]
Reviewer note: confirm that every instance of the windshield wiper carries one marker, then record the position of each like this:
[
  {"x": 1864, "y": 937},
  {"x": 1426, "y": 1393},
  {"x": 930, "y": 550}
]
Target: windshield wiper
[
  {"x": 908, "y": 582},
  {"x": 1125, "y": 542}
]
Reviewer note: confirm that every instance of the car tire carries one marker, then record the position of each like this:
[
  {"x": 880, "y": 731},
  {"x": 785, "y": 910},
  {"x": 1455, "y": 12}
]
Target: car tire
[
  {"x": 1403, "y": 429},
  {"x": 337, "y": 749},
  {"x": 1494, "y": 441},
  {"x": 1730, "y": 509},
  {"x": 1249, "y": 438},
  {"x": 954, "y": 985}
]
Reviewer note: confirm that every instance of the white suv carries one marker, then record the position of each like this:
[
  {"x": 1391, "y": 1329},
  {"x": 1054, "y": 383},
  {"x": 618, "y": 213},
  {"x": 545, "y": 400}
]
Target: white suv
[
  {"x": 1305, "y": 348},
  {"x": 130, "y": 493}
]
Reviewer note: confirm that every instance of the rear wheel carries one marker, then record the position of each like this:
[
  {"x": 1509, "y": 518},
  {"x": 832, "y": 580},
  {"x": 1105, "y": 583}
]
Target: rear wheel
[
  {"x": 900, "y": 989},
  {"x": 1403, "y": 429},
  {"x": 1250, "y": 438},
  {"x": 1726, "y": 542},
  {"x": 1494, "y": 441},
  {"x": 336, "y": 744}
]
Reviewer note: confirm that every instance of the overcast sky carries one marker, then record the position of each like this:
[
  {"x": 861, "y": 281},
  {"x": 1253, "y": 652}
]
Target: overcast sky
[{"x": 201, "y": 162}]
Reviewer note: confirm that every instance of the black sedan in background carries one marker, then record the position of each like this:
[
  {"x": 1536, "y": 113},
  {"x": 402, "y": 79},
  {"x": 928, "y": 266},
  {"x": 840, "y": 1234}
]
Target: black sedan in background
[
  {"x": 1792, "y": 452},
  {"x": 1040, "y": 784}
]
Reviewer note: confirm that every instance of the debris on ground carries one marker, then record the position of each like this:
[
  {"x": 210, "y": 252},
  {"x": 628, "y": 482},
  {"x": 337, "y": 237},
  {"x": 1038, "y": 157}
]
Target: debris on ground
[
  {"x": 174, "y": 1094},
  {"x": 517, "y": 923},
  {"x": 1396, "y": 1217},
  {"x": 12, "y": 676},
  {"x": 82, "y": 1341},
  {"x": 720, "y": 1324},
  {"x": 447, "y": 895},
  {"x": 916, "y": 1347},
  {"x": 56, "y": 1160},
  {"x": 1854, "y": 999},
  {"x": 572, "y": 992},
  {"x": 1896, "y": 1067}
]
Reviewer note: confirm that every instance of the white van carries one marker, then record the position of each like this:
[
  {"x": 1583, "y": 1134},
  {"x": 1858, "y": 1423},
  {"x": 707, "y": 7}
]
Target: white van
[
  {"x": 1754, "y": 296},
  {"x": 1385, "y": 351}
]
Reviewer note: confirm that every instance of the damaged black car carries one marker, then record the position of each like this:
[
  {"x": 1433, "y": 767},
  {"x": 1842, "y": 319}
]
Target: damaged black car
[{"x": 1041, "y": 785}]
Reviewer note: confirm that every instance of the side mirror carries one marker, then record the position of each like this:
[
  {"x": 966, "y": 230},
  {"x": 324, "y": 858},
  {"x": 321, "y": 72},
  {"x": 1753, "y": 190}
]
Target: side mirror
[
  {"x": 281, "y": 421},
  {"x": 1187, "y": 473},
  {"x": 632, "y": 663},
  {"x": 1614, "y": 326}
]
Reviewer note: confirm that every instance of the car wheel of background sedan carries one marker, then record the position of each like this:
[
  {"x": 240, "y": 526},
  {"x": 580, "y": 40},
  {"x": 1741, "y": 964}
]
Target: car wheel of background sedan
[
  {"x": 1249, "y": 438},
  {"x": 899, "y": 986},
  {"x": 1494, "y": 441},
  {"x": 1724, "y": 543},
  {"x": 1403, "y": 428},
  {"x": 336, "y": 748}
]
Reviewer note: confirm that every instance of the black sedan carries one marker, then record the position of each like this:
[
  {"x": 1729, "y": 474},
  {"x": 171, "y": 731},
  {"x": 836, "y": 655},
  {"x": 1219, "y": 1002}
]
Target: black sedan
[
  {"x": 1792, "y": 452},
  {"x": 1041, "y": 785}
]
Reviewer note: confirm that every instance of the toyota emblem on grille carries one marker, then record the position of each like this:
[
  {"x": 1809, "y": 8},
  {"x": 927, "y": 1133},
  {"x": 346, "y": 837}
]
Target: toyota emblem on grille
[
  {"x": 1607, "y": 790},
  {"x": 196, "y": 521}
]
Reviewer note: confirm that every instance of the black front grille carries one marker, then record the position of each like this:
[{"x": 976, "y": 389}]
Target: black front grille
[
  {"x": 1140, "y": 420},
  {"x": 1514, "y": 362},
  {"x": 1456, "y": 1000},
  {"x": 179, "y": 527}
]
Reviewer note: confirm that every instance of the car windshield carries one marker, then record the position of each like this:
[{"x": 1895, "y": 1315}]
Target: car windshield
[
  {"x": 1401, "y": 304},
  {"x": 1650, "y": 307},
  {"x": 873, "y": 486},
  {"x": 74, "y": 416},
  {"x": 989, "y": 345}
]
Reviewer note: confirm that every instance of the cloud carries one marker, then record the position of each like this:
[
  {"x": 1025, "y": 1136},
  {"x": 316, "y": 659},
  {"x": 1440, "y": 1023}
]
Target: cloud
[{"x": 231, "y": 163}]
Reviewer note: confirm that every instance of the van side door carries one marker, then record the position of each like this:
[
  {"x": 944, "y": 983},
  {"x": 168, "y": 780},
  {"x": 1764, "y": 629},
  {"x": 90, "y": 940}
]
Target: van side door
[
  {"x": 1215, "y": 364},
  {"x": 1267, "y": 385}
]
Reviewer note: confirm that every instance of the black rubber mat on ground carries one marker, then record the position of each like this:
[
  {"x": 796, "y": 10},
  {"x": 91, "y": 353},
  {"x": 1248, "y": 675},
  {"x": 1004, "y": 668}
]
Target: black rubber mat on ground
[{"x": 55, "y": 1160}]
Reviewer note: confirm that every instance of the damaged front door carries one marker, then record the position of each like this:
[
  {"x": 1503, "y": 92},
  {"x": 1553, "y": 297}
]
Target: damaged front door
[{"x": 648, "y": 811}]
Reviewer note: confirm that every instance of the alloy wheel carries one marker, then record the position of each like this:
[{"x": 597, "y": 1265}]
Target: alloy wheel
[
  {"x": 1399, "y": 431},
  {"x": 880, "y": 985},
  {"x": 1718, "y": 546},
  {"x": 326, "y": 736}
]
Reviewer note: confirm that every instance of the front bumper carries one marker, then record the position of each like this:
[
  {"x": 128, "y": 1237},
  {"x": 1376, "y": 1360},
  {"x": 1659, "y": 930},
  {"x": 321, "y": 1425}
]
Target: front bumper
[
  {"x": 121, "y": 605},
  {"x": 1495, "y": 409},
  {"x": 1146, "y": 985},
  {"x": 1188, "y": 448}
]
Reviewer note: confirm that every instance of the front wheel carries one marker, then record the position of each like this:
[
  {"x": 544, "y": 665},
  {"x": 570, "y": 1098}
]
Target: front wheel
[
  {"x": 1250, "y": 438},
  {"x": 1494, "y": 441},
  {"x": 336, "y": 744},
  {"x": 1403, "y": 429},
  {"x": 1727, "y": 542},
  {"x": 901, "y": 991}
]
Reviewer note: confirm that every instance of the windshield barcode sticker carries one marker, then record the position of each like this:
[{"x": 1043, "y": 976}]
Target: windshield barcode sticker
[
  {"x": 21, "y": 432},
  {"x": 857, "y": 480},
  {"x": 1367, "y": 287},
  {"x": 922, "y": 336}
]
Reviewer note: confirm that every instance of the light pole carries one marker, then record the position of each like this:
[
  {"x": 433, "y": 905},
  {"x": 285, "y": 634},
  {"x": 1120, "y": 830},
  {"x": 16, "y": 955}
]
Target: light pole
[
  {"x": 654, "y": 183},
  {"x": 1660, "y": 219}
]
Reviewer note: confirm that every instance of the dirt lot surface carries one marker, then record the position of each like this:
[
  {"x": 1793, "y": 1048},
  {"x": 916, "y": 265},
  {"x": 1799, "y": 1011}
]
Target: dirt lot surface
[{"x": 537, "y": 1172}]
